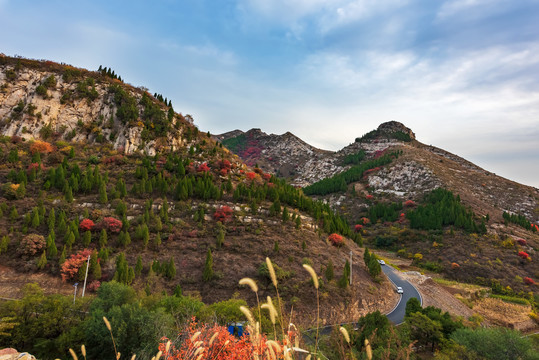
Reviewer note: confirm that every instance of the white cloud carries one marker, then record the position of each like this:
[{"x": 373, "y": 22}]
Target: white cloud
[{"x": 474, "y": 8}]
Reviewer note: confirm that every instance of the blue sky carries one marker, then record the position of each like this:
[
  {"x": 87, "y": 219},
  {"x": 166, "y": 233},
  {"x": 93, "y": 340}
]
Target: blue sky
[{"x": 462, "y": 74}]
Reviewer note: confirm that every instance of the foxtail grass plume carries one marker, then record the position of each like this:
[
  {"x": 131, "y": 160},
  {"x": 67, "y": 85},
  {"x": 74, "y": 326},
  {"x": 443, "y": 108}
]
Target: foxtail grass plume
[
  {"x": 368, "y": 349},
  {"x": 195, "y": 335},
  {"x": 83, "y": 351},
  {"x": 133, "y": 357},
  {"x": 212, "y": 339},
  {"x": 107, "y": 324},
  {"x": 73, "y": 355},
  {"x": 344, "y": 333},
  {"x": 311, "y": 271},
  {"x": 158, "y": 356},
  {"x": 271, "y": 271},
  {"x": 167, "y": 347},
  {"x": 250, "y": 282},
  {"x": 247, "y": 314}
]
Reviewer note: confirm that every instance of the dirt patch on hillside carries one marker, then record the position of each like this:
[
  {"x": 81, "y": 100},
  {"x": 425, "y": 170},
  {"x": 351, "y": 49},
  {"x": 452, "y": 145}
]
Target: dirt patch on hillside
[
  {"x": 12, "y": 282},
  {"x": 505, "y": 314}
]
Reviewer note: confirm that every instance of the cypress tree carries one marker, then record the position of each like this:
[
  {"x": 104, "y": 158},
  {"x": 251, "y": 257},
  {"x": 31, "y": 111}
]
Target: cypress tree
[
  {"x": 171, "y": 269},
  {"x": 103, "y": 238},
  {"x": 138, "y": 266},
  {"x": 208, "y": 267},
  {"x": 42, "y": 261},
  {"x": 62, "y": 256},
  {"x": 51, "y": 222},
  {"x": 70, "y": 240},
  {"x": 52, "y": 250},
  {"x": 329, "y": 271},
  {"x": 157, "y": 240},
  {"x": 286, "y": 216},
  {"x": 103, "y": 198},
  {"x": 87, "y": 239}
]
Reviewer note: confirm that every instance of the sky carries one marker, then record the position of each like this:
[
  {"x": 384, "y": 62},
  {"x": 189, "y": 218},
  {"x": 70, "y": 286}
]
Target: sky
[{"x": 462, "y": 74}]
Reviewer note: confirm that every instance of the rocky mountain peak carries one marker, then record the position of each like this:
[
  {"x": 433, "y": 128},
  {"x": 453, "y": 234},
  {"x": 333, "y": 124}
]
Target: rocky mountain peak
[{"x": 391, "y": 127}]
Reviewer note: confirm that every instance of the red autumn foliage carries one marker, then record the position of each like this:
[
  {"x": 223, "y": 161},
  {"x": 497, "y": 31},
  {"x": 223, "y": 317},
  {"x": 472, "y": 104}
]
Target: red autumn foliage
[
  {"x": 369, "y": 197},
  {"x": 32, "y": 244},
  {"x": 36, "y": 166},
  {"x": 71, "y": 266},
  {"x": 409, "y": 203},
  {"x": 371, "y": 170},
  {"x": 336, "y": 239},
  {"x": 224, "y": 346},
  {"x": 403, "y": 215},
  {"x": 111, "y": 224},
  {"x": 365, "y": 220},
  {"x": 250, "y": 176},
  {"x": 93, "y": 286},
  {"x": 116, "y": 159},
  {"x": 203, "y": 168},
  {"x": 358, "y": 228},
  {"x": 266, "y": 176},
  {"x": 528, "y": 281},
  {"x": 379, "y": 153},
  {"x": 454, "y": 265},
  {"x": 523, "y": 254},
  {"x": 534, "y": 227},
  {"x": 223, "y": 172},
  {"x": 223, "y": 214},
  {"x": 86, "y": 225},
  {"x": 522, "y": 242},
  {"x": 41, "y": 147}
]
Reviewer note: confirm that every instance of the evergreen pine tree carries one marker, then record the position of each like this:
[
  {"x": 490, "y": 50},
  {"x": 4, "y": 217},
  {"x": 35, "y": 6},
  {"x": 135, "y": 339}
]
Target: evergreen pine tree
[
  {"x": 87, "y": 239},
  {"x": 178, "y": 291},
  {"x": 171, "y": 269},
  {"x": 42, "y": 261},
  {"x": 329, "y": 271},
  {"x": 68, "y": 194},
  {"x": 70, "y": 240},
  {"x": 157, "y": 240},
  {"x": 4, "y": 244},
  {"x": 103, "y": 238},
  {"x": 51, "y": 221},
  {"x": 138, "y": 266},
  {"x": 103, "y": 198},
  {"x": 286, "y": 216},
  {"x": 63, "y": 255},
  {"x": 208, "y": 267}
]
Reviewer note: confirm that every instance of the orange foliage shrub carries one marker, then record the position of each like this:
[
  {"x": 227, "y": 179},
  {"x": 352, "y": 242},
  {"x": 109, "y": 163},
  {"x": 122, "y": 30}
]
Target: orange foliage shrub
[
  {"x": 42, "y": 147},
  {"x": 71, "y": 266},
  {"x": 224, "y": 346}
]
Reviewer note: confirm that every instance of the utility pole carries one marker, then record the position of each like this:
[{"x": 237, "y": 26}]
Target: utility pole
[
  {"x": 86, "y": 276},
  {"x": 350, "y": 268}
]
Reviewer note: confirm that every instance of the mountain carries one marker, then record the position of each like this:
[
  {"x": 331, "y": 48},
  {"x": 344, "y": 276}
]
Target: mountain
[
  {"x": 284, "y": 155},
  {"x": 387, "y": 173},
  {"x": 92, "y": 165}
]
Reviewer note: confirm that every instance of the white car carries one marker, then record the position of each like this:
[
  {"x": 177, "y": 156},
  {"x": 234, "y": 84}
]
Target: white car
[
  {"x": 382, "y": 262},
  {"x": 399, "y": 290}
]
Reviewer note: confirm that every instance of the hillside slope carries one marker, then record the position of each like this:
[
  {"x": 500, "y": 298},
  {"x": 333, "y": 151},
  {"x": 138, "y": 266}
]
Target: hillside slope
[
  {"x": 389, "y": 166},
  {"x": 107, "y": 169}
]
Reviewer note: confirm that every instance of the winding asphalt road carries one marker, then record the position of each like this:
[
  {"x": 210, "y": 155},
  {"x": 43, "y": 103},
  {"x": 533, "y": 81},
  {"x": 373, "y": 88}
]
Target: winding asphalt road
[{"x": 396, "y": 316}]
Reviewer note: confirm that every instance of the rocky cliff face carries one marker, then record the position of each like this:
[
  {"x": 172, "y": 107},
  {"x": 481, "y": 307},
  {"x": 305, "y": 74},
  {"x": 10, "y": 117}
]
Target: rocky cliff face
[{"x": 76, "y": 107}]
